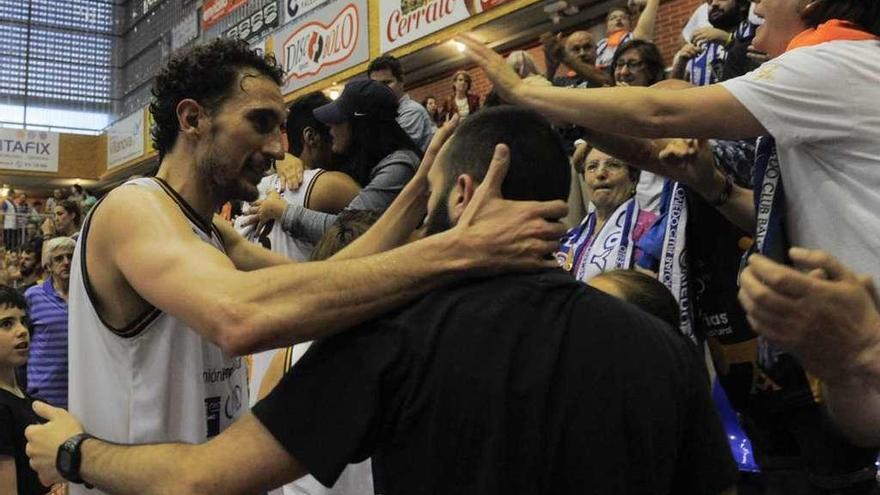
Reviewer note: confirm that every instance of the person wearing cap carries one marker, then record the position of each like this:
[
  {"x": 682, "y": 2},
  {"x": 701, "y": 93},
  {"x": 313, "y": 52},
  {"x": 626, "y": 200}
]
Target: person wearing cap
[
  {"x": 377, "y": 152},
  {"x": 411, "y": 116}
]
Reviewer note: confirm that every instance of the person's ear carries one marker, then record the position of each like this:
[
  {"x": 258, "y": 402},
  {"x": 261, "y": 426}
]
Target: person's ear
[
  {"x": 461, "y": 196},
  {"x": 310, "y": 137},
  {"x": 188, "y": 114}
]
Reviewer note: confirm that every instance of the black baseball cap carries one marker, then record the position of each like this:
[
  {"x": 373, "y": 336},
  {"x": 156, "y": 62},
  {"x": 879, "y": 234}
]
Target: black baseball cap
[{"x": 361, "y": 99}]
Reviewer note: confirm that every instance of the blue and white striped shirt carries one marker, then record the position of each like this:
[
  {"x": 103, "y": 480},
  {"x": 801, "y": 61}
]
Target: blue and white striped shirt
[
  {"x": 47, "y": 364},
  {"x": 707, "y": 67}
]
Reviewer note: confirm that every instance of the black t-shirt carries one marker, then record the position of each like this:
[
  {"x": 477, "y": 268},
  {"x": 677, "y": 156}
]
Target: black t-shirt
[
  {"x": 16, "y": 414},
  {"x": 517, "y": 384}
]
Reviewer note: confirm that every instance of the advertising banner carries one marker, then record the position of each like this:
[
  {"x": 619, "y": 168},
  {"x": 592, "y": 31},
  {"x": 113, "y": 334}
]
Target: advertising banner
[
  {"x": 324, "y": 42},
  {"x": 185, "y": 31},
  {"x": 256, "y": 25},
  {"x": 213, "y": 11},
  {"x": 296, "y": 8},
  {"x": 125, "y": 140},
  {"x": 29, "y": 151},
  {"x": 404, "y": 21}
]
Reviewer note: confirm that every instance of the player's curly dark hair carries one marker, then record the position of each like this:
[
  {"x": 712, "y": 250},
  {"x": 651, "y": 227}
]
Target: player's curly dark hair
[{"x": 205, "y": 73}]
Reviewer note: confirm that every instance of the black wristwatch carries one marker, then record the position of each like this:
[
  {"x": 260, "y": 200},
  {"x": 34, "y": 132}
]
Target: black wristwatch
[{"x": 68, "y": 459}]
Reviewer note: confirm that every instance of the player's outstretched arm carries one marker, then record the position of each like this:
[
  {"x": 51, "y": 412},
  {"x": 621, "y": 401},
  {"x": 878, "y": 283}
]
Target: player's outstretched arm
[
  {"x": 244, "y": 459},
  {"x": 154, "y": 249}
]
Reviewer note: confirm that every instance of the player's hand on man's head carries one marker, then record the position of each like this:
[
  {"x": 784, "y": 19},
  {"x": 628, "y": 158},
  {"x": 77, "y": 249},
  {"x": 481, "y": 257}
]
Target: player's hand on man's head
[
  {"x": 504, "y": 235},
  {"x": 43, "y": 440}
]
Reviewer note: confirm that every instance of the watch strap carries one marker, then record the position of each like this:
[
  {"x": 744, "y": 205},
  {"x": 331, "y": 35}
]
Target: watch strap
[{"x": 72, "y": 447}]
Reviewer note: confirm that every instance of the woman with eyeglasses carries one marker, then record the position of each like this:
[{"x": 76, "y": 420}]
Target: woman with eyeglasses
[
  {"x": 816, "y": 105},
  {"x": 607, "y": 237},
  {"x": 639, "y": 63}
]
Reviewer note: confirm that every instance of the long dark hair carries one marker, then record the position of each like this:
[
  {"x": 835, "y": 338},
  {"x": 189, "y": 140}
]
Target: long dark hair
[{"x": 372, "y": 141}]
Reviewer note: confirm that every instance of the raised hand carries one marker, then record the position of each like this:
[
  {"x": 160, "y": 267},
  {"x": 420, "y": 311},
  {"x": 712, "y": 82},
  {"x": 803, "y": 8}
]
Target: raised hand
[
  {"x": 507, "y": 83},
  {"x": 554, "y": 46},
  {"x": 688, "y": 52},
  {"x": 688, "y": 161},
  {"x": 707, "y": 34}
]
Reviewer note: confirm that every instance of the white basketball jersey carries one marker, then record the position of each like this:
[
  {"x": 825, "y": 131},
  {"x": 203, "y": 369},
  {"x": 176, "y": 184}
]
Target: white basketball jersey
[
  {"x": 280, "y": 241},
  {"x": 356, "y": 479},
  {"x": 156, "y": 380}
]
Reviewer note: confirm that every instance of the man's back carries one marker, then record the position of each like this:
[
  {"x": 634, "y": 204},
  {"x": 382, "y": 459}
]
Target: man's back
[{"x": 517, "y": 384}]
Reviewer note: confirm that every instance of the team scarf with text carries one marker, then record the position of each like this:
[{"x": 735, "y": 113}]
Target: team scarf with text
[
  {"x": 673, "y": 271},
  {"x": 586, "y": 255}
]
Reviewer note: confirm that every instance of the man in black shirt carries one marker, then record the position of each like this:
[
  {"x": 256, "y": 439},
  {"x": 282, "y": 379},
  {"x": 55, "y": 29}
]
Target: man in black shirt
[{"x": 528, "y": 383}]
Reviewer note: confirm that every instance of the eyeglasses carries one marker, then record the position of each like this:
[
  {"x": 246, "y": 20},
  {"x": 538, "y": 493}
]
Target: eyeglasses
[{"x": 631, "y": 64}]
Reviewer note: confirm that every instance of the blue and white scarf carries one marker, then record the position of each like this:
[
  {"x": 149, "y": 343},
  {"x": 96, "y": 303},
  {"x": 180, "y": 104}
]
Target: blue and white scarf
[
  {"x": 585, "y": 255},
  {"x": 673, "y": 271},
  {"x": 771, "y": 239}
]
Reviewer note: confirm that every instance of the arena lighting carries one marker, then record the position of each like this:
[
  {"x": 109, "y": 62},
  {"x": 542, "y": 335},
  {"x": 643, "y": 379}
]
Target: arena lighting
[
  {"x": 334, "y": 93},
  {"x": 458, "y": 46}
]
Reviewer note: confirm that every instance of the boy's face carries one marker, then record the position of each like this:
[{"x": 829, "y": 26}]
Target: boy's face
[{"x": 14, "y": 338}]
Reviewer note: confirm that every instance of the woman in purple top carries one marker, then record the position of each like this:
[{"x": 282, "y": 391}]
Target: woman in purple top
[{"x": 606, "y": 239}]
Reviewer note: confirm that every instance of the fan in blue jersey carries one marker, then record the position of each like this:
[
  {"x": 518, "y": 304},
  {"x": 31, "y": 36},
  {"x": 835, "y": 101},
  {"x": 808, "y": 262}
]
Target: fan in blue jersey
[{"x": 701, "y": 62}]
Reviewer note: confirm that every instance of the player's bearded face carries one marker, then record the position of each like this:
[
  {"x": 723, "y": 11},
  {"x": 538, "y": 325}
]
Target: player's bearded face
[{"x": 233, "y": 181}]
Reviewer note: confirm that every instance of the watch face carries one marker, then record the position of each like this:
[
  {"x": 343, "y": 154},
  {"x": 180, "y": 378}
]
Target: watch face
[{"x": 64, "y": 461}]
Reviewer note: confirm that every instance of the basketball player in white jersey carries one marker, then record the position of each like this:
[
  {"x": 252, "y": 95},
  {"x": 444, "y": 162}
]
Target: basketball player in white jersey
[
  {"x": 161, "y": 298},
  {"x": 309, "y": 140},
  {"x": 322, "y": 190}
]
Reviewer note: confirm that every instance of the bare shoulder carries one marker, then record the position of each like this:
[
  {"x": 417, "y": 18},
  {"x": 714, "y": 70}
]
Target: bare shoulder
[
  {"x": 332, "y": 192},
  {"x": 133, "y": 213},
  {"x": 333, "y": 178}
]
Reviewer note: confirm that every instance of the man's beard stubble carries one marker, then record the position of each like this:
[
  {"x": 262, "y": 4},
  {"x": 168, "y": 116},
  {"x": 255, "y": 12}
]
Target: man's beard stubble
[
  {"x": 438, "y": 221},
  {"x": 220, "y": 185},
  {"x": 727, "y": 21}
]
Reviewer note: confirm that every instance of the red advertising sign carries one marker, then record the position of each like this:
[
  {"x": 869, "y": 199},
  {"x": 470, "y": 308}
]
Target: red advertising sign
[
  {"x": 215, "y": 10},
  {"x": 323, "y": 42},
  {"x": 404, "y": 21}
]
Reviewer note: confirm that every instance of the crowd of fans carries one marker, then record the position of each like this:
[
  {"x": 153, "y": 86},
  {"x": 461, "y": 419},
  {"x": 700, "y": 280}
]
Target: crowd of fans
[{"x": 731, "y": 198}]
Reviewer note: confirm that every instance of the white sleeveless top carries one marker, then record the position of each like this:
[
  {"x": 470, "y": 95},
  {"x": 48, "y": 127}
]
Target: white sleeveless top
[
  {"x": 156, "y": 380},
  {"x": 280, "y": 241},
  {"x": 9, "y": 216},
  {"x": 355, "y": 479}
]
